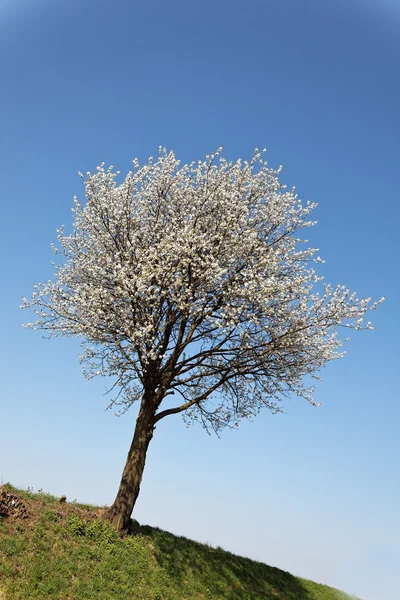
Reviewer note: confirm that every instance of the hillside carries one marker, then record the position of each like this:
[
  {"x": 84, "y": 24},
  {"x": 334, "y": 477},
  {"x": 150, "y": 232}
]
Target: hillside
[{"x": 52, "y": 550}]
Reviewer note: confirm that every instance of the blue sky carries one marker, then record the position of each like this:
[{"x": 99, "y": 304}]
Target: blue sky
[{"x": 313, "y": 491}]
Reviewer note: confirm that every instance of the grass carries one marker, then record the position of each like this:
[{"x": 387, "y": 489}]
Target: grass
[{"x": 63, "y": 551}]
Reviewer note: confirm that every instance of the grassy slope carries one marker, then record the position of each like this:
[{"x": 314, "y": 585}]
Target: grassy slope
[{"x": 59, "y": 551}]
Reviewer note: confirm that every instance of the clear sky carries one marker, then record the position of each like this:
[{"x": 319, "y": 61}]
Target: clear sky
[{"x": 313, "y": 491}]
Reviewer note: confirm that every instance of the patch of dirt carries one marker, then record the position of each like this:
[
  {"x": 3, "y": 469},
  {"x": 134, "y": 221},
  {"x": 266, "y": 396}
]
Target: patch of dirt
[{"x": 15, "y": 507}]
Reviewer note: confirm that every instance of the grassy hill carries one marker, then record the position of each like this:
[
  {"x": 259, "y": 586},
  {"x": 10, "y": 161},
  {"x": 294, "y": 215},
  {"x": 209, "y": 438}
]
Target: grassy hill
[{"x": 52, "y": 550}]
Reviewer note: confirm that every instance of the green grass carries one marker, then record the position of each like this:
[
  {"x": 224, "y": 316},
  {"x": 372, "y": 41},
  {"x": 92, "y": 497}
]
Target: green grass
[{"x": 64, "y": 552}]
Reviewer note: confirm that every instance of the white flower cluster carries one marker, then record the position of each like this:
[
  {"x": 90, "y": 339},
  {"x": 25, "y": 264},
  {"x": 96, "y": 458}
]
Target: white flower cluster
[{"x": 192, "y": 280}]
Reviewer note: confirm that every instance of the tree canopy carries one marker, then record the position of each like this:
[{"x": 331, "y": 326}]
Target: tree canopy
[{"x": 193, "y": 280}]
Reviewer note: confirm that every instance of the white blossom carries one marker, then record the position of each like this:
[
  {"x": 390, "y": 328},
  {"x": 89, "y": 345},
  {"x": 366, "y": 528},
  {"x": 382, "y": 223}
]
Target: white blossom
[{"x": 193, "y": 280}]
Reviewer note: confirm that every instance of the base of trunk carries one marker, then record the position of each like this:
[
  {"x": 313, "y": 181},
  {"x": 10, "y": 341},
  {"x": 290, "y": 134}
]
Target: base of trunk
[{"x": 117, "y": 519}]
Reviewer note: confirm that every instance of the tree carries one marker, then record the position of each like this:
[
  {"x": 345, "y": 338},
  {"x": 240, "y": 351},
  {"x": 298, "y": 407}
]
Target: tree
[{"x": 191, "y": 281}]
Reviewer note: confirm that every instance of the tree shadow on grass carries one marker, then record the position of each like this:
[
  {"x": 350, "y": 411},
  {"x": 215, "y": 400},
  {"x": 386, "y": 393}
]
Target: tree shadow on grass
[{"x": 220, "y": 574}]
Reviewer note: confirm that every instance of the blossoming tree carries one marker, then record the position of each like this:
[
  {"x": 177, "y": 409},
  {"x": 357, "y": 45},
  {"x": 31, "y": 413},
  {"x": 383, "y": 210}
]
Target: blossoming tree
[{"x": 191, "y": 281}]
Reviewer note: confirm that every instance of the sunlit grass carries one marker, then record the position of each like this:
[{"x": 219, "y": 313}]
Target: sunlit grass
[{"x": 64, "y": 552}]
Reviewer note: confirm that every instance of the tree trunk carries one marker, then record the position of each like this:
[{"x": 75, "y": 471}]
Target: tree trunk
[{"x": 119, "y": 514}]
